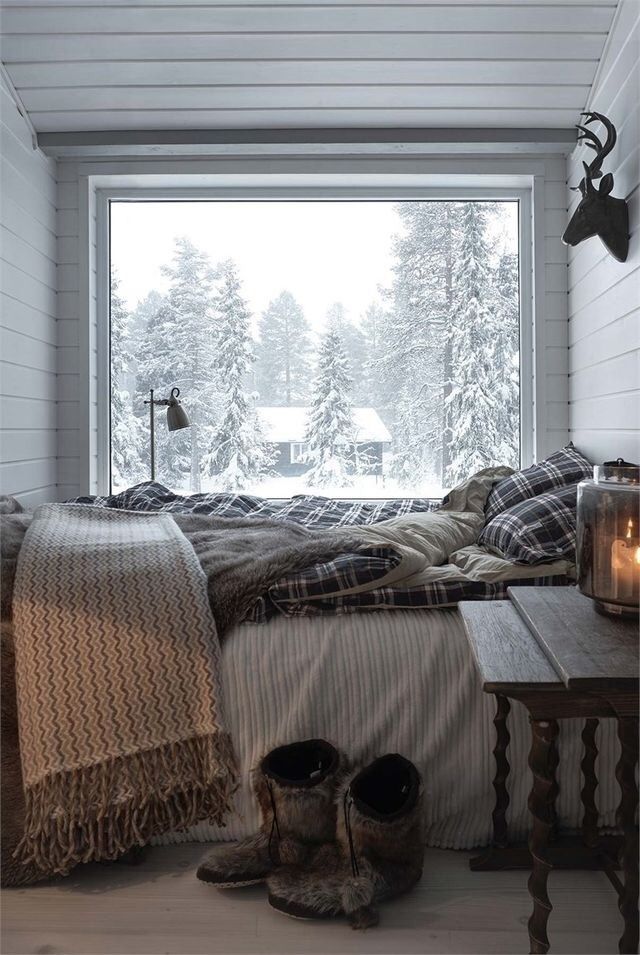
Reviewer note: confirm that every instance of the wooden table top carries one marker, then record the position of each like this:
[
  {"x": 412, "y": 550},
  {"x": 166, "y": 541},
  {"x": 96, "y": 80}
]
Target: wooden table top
[
  {"x": 588, "y": 650},
  {"x": 506, "y": 653},
  {"x": 550, "y": 638}
]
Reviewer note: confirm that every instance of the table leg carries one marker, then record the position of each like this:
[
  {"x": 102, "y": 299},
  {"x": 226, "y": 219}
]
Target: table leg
[
  {"x": 499, "y": 816},
  {"x": 543, "y": 763},
  {"x": 554, "y": 789},
  {"x": 626, "y": 776},
  {"x": 587, "y": 794},
  {"x": 500, "y": 839}
]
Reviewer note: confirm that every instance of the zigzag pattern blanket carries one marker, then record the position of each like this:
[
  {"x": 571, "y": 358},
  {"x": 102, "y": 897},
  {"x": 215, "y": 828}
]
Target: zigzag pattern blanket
[{"x": 117, "y": 671}]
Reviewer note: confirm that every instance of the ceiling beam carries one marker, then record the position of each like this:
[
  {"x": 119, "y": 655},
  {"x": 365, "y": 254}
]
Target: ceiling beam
[{"x": 215, "y": 141}]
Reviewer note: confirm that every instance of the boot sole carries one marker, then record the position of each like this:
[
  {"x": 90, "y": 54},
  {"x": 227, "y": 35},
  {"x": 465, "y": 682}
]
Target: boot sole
[
  {"x": 232, "y": 883},
  {"x": 237, "y": 885}
]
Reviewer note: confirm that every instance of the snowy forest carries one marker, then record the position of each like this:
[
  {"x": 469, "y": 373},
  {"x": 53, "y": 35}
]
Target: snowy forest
[{"x": 436, "y": 356}]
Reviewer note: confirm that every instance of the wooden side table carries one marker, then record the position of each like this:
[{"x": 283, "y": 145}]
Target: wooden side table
[{"x": 549, "y": 650}]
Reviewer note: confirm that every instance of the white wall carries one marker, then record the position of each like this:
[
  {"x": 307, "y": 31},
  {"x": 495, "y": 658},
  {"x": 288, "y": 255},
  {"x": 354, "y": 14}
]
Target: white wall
[
  {"x": 28, "y": 334},
  {"x": 78, "y": 332},
  {"x": 604, "y": 294}
]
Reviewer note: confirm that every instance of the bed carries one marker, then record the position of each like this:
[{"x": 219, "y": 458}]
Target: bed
[{"x": 367, "y": 648}]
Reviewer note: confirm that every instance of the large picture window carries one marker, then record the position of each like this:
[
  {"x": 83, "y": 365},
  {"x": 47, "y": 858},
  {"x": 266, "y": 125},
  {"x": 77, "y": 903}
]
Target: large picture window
[{"x": 363, "y": 348}]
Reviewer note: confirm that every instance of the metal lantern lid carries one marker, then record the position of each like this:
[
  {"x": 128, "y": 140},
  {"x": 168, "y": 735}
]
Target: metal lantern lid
[{"x": 617, "y": 472}]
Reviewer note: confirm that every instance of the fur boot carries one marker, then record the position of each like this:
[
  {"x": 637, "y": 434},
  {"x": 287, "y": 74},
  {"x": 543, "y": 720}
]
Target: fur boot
[
  {"x": 377, "y": 854},
  {"x": 295, "y": 786}
]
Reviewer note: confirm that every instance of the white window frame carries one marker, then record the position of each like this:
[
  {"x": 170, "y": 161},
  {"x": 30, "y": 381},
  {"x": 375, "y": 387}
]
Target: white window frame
[{"x": 525, "y": 195}]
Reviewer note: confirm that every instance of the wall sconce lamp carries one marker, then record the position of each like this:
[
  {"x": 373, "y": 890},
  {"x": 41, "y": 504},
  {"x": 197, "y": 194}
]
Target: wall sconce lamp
[{"x": 177, "y": 419}]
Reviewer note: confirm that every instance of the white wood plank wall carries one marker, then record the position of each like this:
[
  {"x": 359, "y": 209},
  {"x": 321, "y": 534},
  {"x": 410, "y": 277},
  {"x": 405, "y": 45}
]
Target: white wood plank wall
[
  {"x": 77, "y": 299},
  {"x": 28, "y": 334},
  {"x": 604, "y": 295}
]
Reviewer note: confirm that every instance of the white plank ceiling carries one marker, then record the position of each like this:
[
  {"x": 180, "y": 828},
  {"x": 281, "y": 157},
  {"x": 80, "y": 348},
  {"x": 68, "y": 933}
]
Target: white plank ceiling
[{"x": 152, "y": 64}]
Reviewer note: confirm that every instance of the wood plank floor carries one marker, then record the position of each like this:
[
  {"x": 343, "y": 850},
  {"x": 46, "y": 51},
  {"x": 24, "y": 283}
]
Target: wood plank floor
[{"x": 160, "y": 907}]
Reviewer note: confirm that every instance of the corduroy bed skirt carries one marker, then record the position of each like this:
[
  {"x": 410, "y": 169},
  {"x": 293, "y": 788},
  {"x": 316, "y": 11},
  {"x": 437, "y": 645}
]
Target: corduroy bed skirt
[{"x": 396, "y": 681}]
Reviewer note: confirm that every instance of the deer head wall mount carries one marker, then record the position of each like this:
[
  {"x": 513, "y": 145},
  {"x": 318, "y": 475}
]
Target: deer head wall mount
[{"x": 599, "y": 213}]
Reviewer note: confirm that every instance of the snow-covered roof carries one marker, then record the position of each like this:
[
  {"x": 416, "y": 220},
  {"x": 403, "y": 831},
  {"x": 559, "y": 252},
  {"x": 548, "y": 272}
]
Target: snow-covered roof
[{"x": 281, "y": 425}]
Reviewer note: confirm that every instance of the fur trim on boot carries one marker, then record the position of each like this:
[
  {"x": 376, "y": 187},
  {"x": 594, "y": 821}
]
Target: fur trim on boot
[
  {"x": 295, "y": 786},
  {"x": 377, "y": 854}
]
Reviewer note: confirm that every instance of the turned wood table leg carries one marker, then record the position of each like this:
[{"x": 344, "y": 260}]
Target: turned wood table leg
[
  {"x": 543, "y": 763},
  {"x": 626, "y": 776},
  {"x": 588, "y": 791},
  {"x": 500, "y": 837},
  {"x": 554, "y": 789},
  {"x": 503, "y": 738}
]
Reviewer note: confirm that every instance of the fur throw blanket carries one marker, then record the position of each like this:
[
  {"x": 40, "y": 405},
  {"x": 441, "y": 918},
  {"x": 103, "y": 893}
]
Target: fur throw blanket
[{"x": 243, "y": 558}]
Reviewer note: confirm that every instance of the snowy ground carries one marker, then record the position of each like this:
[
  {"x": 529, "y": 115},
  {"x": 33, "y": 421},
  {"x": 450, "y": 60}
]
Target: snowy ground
[{"x": 363, "y": 487}]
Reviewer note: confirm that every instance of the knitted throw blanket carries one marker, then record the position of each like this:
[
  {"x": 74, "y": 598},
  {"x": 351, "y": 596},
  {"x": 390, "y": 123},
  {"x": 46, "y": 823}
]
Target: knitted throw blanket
[{"x": 117, "y": 673}]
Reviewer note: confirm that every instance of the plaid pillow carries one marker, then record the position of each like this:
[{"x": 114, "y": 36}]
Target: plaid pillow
[
  {"x": 563, "y": 467},
  {"x": 535, "y": 530}
]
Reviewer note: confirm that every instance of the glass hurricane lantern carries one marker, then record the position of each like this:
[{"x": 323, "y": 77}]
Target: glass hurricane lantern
[{"x": 608, "y": 538}]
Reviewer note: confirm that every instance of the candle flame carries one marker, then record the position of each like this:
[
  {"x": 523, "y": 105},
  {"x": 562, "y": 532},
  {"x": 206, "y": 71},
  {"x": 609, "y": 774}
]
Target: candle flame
[
  {"x": 637, "y": 556},
  {"x": 629, "y": 529}
]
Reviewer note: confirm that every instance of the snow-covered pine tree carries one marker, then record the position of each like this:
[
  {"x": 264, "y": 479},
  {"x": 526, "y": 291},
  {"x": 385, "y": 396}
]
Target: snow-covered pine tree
[
  {"x": 373, "y": 330},
  {"x": 127, "y": 431},
  {"x": 330, "y": 427},
  {"x": 355, "y": 349},
  {"x": 451, "y": 238},
  {"x": 179, "y": 349},
  {"x": 145, "y": 312},
  {"x": 140, "y": 319},
  {"x": 472, "y": 403},
  {"x": 506, "y": 302},
  {"x": 412, "y": 361},
  {"x": 283, "y": 366},
  {"x": 239, "y": 452}
]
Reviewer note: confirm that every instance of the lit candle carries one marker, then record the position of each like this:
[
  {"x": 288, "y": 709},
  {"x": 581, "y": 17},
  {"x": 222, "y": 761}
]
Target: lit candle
[{"x": 625, "y": 567}]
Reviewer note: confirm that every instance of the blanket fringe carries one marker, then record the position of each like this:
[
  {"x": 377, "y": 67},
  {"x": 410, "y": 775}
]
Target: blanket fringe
[{"x": 101, "y": 811}]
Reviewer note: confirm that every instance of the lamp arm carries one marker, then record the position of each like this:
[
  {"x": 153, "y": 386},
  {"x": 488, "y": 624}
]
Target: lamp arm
[
  {"x": 182, "y": 422},
  {"x": 164, "y": 401}
]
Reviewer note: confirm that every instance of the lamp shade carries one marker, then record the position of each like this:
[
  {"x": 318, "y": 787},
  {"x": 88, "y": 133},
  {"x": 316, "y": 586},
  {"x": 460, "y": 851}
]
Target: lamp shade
[{"x": 177, "y": 417}]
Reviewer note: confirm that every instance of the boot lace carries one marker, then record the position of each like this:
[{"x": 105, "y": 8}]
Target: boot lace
[
  {"x": 346, "y": 808},
  {"x": 274, "y": 824}
]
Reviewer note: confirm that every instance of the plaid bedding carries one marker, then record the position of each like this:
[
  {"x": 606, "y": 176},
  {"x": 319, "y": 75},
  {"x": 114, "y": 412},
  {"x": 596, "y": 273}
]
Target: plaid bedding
[
  {"x": 566, "y": 466},
  {"x": 310, "y": 510},
  {"x": 302, "y": 593},
  {"x": 442, "y": 594},
  {"x": 541, "y": 528}
]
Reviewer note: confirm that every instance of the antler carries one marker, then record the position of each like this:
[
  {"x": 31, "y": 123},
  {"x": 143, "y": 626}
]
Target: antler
[
  {"x": 595, "y": 166},
  {"x": 591, "y": 140}
]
